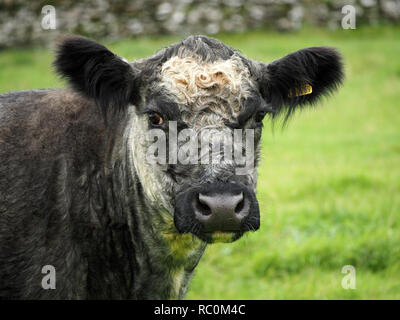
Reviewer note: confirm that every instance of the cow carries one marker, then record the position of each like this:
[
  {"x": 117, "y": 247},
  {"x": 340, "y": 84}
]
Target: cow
[{"x": 78, "y": 193}]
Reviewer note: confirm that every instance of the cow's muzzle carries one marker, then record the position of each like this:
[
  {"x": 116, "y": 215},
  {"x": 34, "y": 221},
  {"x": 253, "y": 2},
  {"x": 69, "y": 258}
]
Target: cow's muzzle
[{"x": 217, "y": 211}]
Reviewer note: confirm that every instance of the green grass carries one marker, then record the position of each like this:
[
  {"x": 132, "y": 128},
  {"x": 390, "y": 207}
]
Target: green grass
[{"x": 329, "y": 182}]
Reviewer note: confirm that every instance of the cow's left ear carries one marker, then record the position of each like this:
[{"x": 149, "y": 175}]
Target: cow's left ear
[
  {"x": 98, "y": 73},
  {"x": 300, "y": 78}
]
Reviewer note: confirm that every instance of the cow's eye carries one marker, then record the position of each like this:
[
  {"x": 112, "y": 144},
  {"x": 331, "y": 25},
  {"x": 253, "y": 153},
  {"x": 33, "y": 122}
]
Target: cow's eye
[
  {"x": 155, "y": 119},
  {"x": 260, "y": 116}
]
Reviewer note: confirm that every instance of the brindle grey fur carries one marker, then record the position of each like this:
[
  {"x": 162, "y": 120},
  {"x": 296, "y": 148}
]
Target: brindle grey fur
[{"x": 76, "y": 191}]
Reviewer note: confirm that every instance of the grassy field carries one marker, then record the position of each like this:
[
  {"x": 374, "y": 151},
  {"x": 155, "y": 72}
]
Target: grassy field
[{"x": 329, "y": 185}]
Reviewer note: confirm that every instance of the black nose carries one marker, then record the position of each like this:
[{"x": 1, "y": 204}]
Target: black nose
[
  {"x": 222, "y": 211},
  {"x": 226, "y": 207}
]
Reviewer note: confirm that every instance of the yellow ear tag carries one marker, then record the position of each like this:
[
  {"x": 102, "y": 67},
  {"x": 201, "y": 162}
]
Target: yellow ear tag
[{"x": 306, "y": 89}]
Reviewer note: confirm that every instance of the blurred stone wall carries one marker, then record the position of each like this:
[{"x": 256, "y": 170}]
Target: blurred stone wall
[{"x": 20, "y": 20}]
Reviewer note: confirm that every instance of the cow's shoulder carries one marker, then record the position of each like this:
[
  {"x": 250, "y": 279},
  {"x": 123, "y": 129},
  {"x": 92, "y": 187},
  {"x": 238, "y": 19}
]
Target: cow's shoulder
[
  {"x": 34, "y": 106},
  {"x": 49, "y": 122}
]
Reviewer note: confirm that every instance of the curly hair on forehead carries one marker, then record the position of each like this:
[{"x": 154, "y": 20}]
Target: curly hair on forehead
[
  {"x": 197, "y": 83},
  {"x": 201, "y": 48}
]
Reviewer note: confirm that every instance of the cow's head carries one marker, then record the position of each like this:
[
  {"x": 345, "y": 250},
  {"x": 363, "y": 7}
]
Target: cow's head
[{"x": 196, "y": 94}]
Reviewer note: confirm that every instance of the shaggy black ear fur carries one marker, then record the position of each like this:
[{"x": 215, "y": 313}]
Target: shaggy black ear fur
[
  {"x": 95, "y": 71},
  {"x": 283, "y": 80}
]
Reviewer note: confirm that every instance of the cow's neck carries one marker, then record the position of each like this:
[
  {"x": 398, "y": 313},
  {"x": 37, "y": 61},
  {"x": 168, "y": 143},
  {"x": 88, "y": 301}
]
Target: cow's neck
[{"x": 140, "y": 254}]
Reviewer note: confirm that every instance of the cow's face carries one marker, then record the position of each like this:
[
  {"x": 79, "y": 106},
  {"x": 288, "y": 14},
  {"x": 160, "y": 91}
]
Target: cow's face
[
  {"x": 201, "y": 113},
  {"x": 193, "y": 116}
]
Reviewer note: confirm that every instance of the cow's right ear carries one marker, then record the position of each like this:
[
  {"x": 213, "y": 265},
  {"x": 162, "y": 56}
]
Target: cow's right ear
[
  {"x": 301, "y": 78},
  {"x": 95, "y": 71}
]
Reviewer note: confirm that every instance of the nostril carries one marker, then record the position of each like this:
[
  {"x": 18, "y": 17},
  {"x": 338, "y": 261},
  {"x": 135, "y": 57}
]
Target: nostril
[
  {"x": 202, "y": 206},
  {"x": 239, "y": 206},
  {"x": 242, "y": 207}
]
